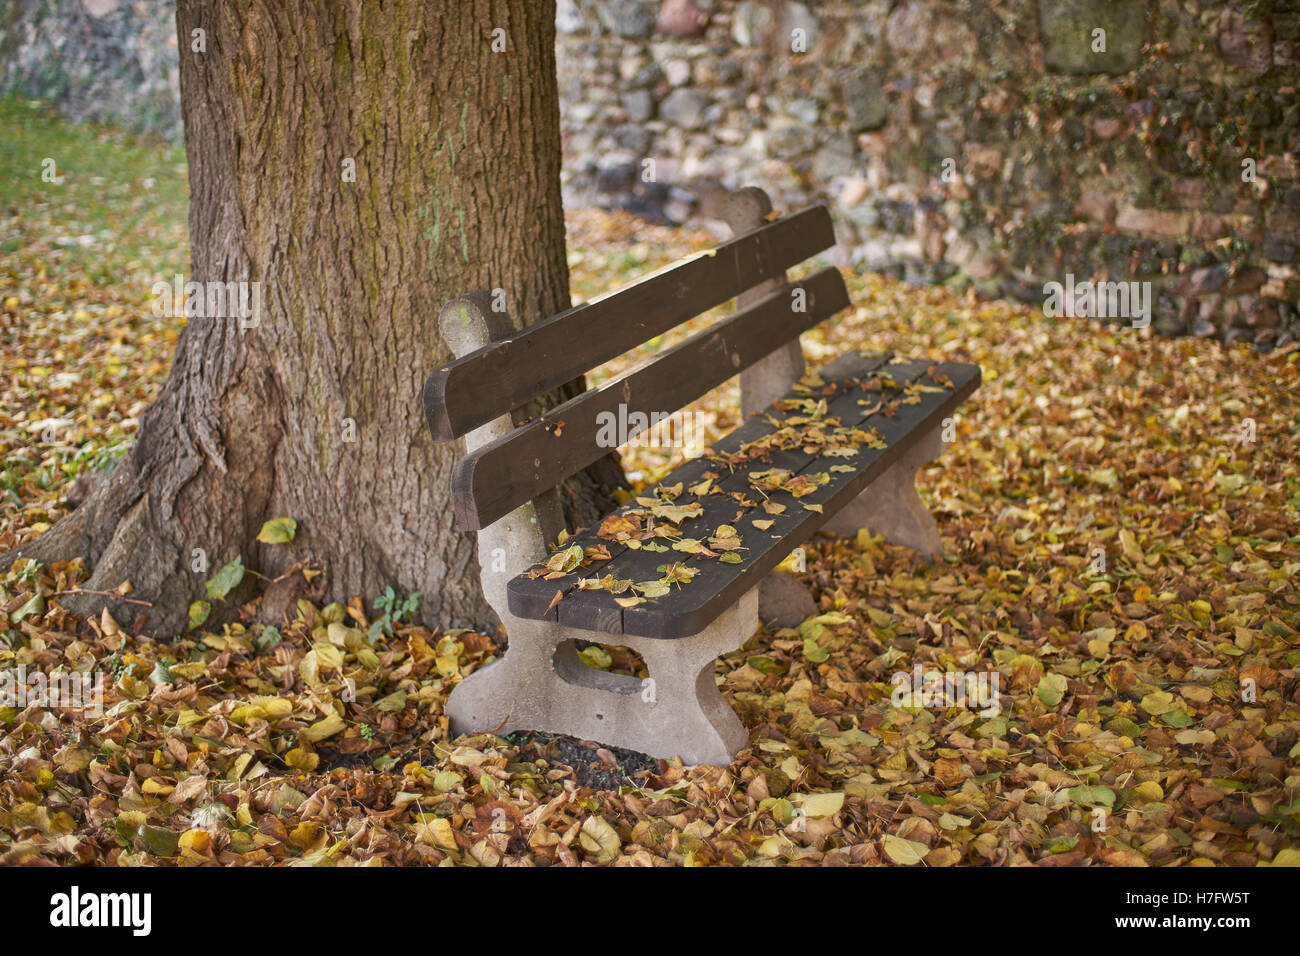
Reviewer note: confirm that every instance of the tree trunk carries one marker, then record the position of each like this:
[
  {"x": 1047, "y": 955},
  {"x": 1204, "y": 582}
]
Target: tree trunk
[{"x": 314, "y": 412}]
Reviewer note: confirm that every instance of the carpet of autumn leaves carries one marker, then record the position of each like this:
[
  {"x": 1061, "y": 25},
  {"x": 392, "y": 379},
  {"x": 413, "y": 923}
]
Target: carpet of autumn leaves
[{"x": 1149, "y": 711}]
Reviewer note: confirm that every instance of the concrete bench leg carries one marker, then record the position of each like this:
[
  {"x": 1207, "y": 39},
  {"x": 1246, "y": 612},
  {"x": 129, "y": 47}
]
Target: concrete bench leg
[
  {"x": 891, "y": 506},
  {"x": 542, "y": 685}
]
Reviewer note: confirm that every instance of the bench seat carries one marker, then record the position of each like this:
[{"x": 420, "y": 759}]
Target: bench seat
[{"x": 813, "y": 451}]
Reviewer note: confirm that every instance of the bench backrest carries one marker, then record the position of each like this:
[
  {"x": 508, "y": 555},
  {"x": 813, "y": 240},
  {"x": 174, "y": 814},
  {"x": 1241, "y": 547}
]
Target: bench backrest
[{"x": 495, "y": 478}]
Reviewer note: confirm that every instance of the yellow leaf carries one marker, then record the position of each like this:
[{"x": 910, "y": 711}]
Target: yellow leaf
[
  {"x": 791, "y": 563},
  {"x": 328, "y": 727},
  {"x": 442, "y": 833},
  {"x": 275, "y": 707},
  {"x": 822, "y": 804},
  {"x": 943, "y": 856},
  {"x": 196, "y": 840},
  {"x": 305, "y": 834},
  {"x": 108, "y": 624},
  {"x": 246, "y": 713},
  {"x": 328, "y": 657},
  {"x": 904, "y": 852},
  {"x": 301, "y": 759},
  {"x": 1128, "y": 541},
  {"x": 1158, "y": 702},
  {"x": 278, "y": 531},
  {"x": 599, "y": 839},
  {"x": 1150, "y": 790},
  {"x": 238, "y": 766}
]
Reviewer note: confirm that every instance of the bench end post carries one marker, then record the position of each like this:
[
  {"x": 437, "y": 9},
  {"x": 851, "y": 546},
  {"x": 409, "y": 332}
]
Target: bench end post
[{"x": 513, "y": 543}]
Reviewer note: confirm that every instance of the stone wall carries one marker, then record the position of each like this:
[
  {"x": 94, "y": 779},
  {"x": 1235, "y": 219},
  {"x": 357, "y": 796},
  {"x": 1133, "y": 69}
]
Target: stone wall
[
  {"x": 100, "y": 60},
  {"x": 985, "y": 143},
  {"x": 992, "y": 143}
]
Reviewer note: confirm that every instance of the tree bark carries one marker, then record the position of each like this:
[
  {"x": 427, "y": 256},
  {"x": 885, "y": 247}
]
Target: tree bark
[{"x": 457, "y": 159}]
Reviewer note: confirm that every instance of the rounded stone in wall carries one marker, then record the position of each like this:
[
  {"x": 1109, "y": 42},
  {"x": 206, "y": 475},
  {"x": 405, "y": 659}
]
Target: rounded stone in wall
[
  {"x": 633, "y": 137},
  {"x": 677, "y": 71},
  {"x": 652, "y": 74},
  {"x": 684, "y": 107},
  {"x": 100, "y": 8},
  {"x": 837, "y": 158},
  {"x": 682, "y": 18},
  {"x": 864, "y": 100},
  {"x": 630, "y": 19},
  {"x": 639, "y": 105},
  {"x": 1071, "y": 43},
  {"x": 798, "y": 17},
  {"x": 805, "y": 110},
  {"x": 1246, "y": 43},
  {"x": 788, "y": 140},
  {"x": 751, "y": 23}
]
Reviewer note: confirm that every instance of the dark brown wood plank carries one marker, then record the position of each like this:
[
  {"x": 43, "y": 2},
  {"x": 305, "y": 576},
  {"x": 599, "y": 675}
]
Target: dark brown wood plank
[
  {"x": 495, "y": 479},
  {"x": 532, "y": 597},
  {"x": 489, "y": 382}
]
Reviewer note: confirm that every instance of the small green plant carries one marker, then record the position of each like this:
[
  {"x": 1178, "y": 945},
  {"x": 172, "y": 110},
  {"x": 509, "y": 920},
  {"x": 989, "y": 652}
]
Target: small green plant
[
  {"x": 27, "y": 575},
  {"x": 270, "y": 638},
  {"x": 395, "y": 612},
  {"x": 96, "y": 459},
  {"x": 113, "y": 665}
]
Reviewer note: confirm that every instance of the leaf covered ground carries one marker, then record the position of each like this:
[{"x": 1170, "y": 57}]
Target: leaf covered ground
[{"x": 1120, "y": 523}]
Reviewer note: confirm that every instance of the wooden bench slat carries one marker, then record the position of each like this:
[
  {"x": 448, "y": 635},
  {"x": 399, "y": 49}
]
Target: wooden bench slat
[
  {"x": 718, "y": 584},
  {"x": 490, "y": 382},
  {"x": 492, "y": 481}
]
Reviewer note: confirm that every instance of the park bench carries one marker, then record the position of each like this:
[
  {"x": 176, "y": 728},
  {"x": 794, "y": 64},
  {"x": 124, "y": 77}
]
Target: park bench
[{"x": 677, "y": 573}]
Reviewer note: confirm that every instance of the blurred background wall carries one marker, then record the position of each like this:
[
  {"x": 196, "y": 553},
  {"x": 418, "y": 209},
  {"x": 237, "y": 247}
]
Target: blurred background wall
[
  {"x": 990, "y": 144},
  {"x": 111, "y": 61}
]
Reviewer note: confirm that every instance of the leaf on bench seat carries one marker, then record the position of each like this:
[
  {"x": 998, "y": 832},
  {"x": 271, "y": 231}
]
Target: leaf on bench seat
[
  {"x": 677, "y": 513},
  {"x": 676, "y": 573},
  {"x": 693, "y": 546},
  {"x": 726, "y": 538},
  {"x": 569, "y": 559},
  {"x": 607, "y": 583}
]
